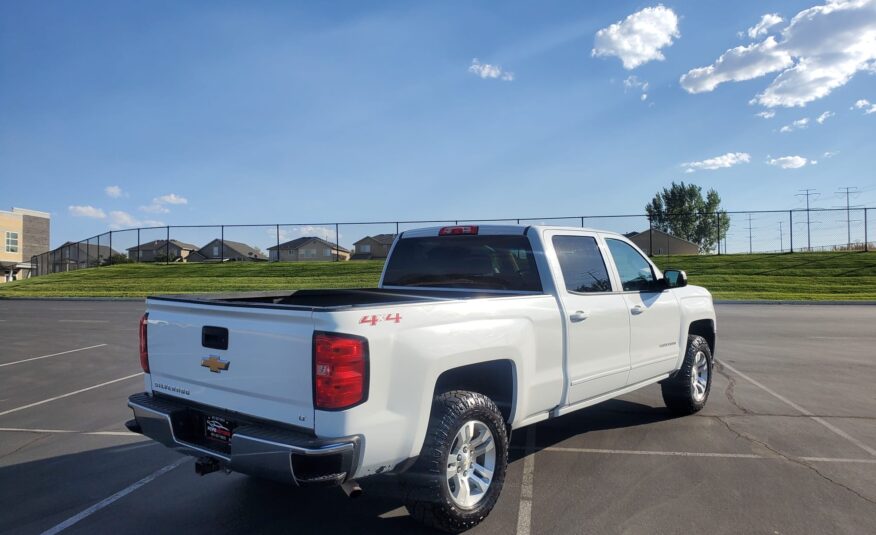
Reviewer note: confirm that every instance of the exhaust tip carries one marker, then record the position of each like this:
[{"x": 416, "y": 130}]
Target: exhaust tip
[{"x": 351, "y": 489}]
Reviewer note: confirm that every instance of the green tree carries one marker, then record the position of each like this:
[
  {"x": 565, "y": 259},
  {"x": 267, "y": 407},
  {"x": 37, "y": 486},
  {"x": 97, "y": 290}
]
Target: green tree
[{"x": 681, "y": 210}]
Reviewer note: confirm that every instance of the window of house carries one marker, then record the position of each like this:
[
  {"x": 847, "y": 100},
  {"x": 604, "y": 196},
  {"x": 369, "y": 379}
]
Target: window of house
[
  {"x": 11, "y": 242},
  {"x": 215, "y": 250},
  {"x": 582, "y": 264},
  {"x": 365, "y": 248},
  {"x": 635, "y": 272},
  {"x": 326, "y": 252}
]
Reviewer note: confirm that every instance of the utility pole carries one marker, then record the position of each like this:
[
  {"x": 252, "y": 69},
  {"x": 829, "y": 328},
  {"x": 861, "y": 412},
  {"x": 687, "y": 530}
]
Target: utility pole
[
  {"x": 808, "y": 192},
  {"x": 847, "y": 191}
]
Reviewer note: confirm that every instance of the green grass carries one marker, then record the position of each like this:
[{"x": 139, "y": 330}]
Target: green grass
[{"x": 811, "y": 276}]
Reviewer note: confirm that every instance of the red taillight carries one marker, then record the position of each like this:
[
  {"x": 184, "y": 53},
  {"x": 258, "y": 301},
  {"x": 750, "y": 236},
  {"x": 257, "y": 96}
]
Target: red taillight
[
  {"x": 144, "y": 345},
  {"x": 458, "y": 231},
  {"x": 340, "y": 371}
]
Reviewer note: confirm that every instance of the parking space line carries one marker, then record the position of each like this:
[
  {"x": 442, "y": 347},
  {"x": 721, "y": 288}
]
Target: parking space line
[
  {"x": 62, "y": 431},
  {"x": 52, "y": 355},
  {"x": 560, "y": 449},
  {"x": 524, "y": 511},
  {"x": 805, "y": 412},
  {"x": 83, "y": 321},
  {"x": 115, "y": 497},
  {"x": 62, "y": 396}
]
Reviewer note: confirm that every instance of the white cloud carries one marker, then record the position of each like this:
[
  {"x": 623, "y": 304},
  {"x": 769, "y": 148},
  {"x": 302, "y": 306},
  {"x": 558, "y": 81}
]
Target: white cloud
[
  {"x": 114, "y": 192},
  {"x": 799, "y": 124},
  {"x": 824, "y": 116},
  {"x": 789, "y": 162},
  {"x": 632, "y": 83},
  {"x": 171, "y": 198},
  {"x": 718, "y": 162},
  {"x": 86, "y": 211},
  {"x": 644, "y": 97},
  {"x": 865, "y": 105},
  {"x": 830, "y": 154},
  {"x": 821, "y": 49},
  {"x": 769, "y": 114},
  {"x": 120, "y": 220},
  {"x": 637, "y": 39},
  {"x": 485, "y": 71},
  {"x": 763, "y": 27},
  {"x": 159, "y": 204}
]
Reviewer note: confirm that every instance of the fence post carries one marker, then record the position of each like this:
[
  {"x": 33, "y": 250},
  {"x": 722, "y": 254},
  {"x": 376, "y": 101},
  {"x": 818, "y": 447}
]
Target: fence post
[
  {"x": 866, "y": 242},
  {"x": 278, "y": 243},
  {"x": 111, "y": 248},
  {"x": 98, "y": 251},
  {"x": 650, "y": 236},
  {"x": 582, "y": 222},
  {"x": 337, "y": 243},
  {"x": 791, "y": 227},
  {"x": 718, "y": 229},
  {"x": 222, "y": 243},
  {"x": 138, "y": 245},
  {"x": 396, "y": 228},
  {"x": 167, "y": 246}
]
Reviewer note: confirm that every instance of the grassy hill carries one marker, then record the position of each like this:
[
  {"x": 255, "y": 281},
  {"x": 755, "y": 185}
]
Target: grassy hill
[{"x": 811, "y": 276}]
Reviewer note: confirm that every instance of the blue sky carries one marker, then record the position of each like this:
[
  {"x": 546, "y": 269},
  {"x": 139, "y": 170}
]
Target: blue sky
[{"x": 251, "y": 112}]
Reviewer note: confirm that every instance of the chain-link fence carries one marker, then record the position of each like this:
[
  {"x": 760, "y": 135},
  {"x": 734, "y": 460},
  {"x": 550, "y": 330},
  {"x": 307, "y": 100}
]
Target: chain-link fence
[{"x": 778, "y": 231}]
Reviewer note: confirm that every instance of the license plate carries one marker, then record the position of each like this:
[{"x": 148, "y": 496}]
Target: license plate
[{"x": 218, "y": 429}]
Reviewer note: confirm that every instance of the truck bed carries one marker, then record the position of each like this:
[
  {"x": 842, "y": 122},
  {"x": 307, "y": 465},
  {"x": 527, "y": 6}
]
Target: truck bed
[{"x": 334, "y": 299}]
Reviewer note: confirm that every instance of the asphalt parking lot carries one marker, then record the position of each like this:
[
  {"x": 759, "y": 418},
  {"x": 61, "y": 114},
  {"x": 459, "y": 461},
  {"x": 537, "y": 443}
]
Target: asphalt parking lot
[{"x": 786, "y": 444}]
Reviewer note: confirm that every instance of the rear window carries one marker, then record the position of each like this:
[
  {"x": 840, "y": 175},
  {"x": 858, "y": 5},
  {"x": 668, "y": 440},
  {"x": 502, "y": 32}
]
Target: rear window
[{"x": 474, "y": 262}]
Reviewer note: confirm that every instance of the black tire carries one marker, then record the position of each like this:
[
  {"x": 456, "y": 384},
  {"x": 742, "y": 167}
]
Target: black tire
[
  {"x": 427, "y": 494},
  {"x": 679, "y": 393}
]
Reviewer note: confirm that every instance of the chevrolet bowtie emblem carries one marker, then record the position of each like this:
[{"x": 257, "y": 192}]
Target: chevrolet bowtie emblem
[{"x": 215, "y": 364}]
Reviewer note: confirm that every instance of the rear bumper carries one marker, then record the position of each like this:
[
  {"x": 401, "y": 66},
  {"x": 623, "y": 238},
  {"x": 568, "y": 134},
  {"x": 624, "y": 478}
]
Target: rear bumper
[{"x": 258, "y": 449}]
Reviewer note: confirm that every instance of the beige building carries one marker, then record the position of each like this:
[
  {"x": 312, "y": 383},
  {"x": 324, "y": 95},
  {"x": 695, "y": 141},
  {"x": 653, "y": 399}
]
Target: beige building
[
  {"x": 373, "y": 247},
  {"x": 23, "y": 234},
  {"x": 308, "y": 249},
  {"x": 662, "y": 242},
  {"x": 161, "y": 251}
]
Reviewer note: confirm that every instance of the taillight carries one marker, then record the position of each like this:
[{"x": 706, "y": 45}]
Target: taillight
[
  {"x": 144, "y": 345},
  {"x": 458, "y": 231},
  {"x": 340, "y": 371}
]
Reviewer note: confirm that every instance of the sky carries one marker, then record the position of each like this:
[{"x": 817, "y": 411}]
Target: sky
[{"x": 122, "y": 114}]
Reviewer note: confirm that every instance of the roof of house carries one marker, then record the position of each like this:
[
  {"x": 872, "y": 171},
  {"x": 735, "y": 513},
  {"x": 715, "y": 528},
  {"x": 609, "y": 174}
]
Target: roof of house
[
  {"x": 154, "y": 245},
  {"x": 658, "y": 231},
  {"x": 299, "y": 242},
  {"x": 241, "y": 248},
  {"x": 385, "y": 239}
]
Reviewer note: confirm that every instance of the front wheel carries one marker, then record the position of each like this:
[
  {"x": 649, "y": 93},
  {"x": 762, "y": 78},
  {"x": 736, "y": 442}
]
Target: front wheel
[
  {"x": 687, "y": 391},
  {"x": 461, "y": 469}
]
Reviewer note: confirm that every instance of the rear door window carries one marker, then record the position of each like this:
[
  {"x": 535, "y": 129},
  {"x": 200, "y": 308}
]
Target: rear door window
[
  {"x": 473, "y": 262},
  {"x": 582, "y": 264}
]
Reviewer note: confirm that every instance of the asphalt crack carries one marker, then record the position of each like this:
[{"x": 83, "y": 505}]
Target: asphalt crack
[
  {"x": 729, "y": 392},
  {"x": 799, "y": 462},
  {"x": 26, "y": 444}
]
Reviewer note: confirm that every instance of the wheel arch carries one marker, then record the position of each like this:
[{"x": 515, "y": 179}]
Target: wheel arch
[
  {"x": 706, "y": 329},
  {"x": 496, "y": 379}
]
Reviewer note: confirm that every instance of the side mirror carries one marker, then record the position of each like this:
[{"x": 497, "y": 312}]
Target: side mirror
[{"x": 675, "y": 278}]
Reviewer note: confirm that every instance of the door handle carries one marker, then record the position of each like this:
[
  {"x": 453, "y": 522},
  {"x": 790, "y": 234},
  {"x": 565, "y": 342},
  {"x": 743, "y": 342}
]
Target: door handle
[
  {"x": 638, "y": 309},
  {"x": 579, "y": 315}
]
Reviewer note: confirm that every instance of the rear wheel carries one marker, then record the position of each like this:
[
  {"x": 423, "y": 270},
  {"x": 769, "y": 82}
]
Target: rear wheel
[
  {"x": 687, "y": 391},
  {"x": 459, "y": 474}
]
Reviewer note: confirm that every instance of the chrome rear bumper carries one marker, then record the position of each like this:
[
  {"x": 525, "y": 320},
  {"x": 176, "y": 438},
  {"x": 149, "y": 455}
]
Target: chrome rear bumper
[{"x": 258, "y": 449}]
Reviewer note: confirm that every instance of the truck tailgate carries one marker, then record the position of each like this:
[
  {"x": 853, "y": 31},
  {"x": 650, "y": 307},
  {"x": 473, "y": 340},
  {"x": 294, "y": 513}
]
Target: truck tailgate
[{"x": 265, "y": 372}]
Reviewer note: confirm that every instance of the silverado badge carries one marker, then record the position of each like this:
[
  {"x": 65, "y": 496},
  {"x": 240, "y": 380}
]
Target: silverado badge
[{"x": 215, "y": 363}]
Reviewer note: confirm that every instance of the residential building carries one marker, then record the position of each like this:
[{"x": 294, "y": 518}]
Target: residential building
[
  {"x": 161, "y": 251},
  {"x": 373, "y": 247},
  {"x": 24, "y": 234},
  {"x": 308, "y": 249},
  {"x": 75, "y": 255},
  {"x": 663, "y": 243},
  {"x": 218, "y": 250}
]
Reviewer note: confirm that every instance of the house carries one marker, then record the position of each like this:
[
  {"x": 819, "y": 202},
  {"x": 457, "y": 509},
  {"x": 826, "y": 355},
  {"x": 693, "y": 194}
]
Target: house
[
  {"x": 663, "y": 243},
  {"x": 161, "y": 250},
  {"x": 23, "y": 235},
  {"x": 307, "y": 249},
  {"x": 219, "y": 250},
  {"x": 75, "y": 255},
  {"x": 373, "y": 247}
]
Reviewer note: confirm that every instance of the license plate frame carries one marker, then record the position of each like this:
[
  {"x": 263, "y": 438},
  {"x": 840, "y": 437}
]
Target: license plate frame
[{"x": 218, "y": 429}]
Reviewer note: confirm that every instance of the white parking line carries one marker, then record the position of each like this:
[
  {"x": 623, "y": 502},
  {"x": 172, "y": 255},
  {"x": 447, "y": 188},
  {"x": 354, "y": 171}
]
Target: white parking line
[
  {"x": 805, "y": 412},
  {"x": 83, "y": 321},
  {"x": 52, "y": 355},
  {"x": 599, "y": 451},
  {"x": 10, "y": 411},
  {"x": 524, "y": 511},
  {"x": 62, "y": 431},
  {"x": 115, "y": 497}
]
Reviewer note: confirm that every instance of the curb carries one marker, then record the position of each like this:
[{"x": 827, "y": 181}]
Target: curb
[{"x": 800, "y": 303}]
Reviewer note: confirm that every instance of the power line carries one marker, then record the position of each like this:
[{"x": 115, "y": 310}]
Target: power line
[
  {"x": 808, "y": 192},
  {"x": 848, "y": 191}
]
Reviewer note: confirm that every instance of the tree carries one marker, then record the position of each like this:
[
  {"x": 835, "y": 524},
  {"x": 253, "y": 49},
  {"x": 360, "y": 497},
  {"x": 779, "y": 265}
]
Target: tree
[{"x": 682, "y": 211}]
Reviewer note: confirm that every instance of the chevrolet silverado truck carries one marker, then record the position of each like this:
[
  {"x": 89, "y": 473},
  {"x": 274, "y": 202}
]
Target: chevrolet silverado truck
[{"x": 473, "y": 331}]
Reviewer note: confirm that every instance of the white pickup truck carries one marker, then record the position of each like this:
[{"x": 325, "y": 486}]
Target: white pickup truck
[{"x": 473, "y": 331}]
